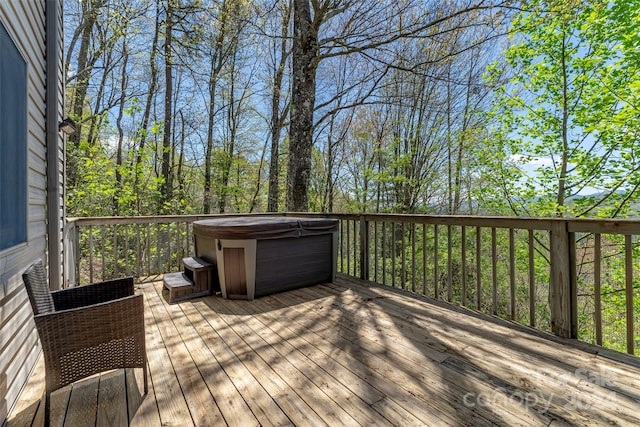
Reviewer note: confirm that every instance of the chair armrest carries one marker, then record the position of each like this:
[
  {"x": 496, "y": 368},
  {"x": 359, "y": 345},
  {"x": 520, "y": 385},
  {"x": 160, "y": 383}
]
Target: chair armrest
[
  {"x": 84, "y": 341},
  {"x": 94, "y": 293}
]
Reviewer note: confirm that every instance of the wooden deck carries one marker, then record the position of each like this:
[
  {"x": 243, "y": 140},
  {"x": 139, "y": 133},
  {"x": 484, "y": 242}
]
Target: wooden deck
[{"x": 347, "y": 353}]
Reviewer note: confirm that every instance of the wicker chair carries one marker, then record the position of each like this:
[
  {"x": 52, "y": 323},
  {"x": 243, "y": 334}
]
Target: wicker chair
[{"x": 86, "y": 330}]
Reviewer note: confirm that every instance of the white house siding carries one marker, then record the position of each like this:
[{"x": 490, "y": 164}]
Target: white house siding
[{"x": 24, "y": 20}]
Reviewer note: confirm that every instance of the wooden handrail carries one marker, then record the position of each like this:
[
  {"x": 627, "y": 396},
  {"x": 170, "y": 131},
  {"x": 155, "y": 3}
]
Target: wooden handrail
[{"x": 524, "y": 269}]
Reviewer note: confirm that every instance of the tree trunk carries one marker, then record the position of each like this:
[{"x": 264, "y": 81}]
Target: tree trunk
[
  {"x": 123, "y": 98},
  {"x": 217, "y": 61},
  {"x": 144, "y": 125},
  {"x": 179, "y": 176},
  {"x": 229, "y": 151},
  {"x": 330, "y": 162},
  {"x": 303, "y": 94},
  {"x": 277, "y": 118},
  {"x": 206, "y": 199},
  {"x": 565, "y": 142},
  {"x": 97, "y": 109},
  {"x": 168, "y": 108},
  {"x": 274, "y": 190},
  {"x": 84, "y": 66}
]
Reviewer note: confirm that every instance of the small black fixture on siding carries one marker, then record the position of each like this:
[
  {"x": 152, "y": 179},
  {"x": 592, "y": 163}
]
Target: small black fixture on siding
[{"x": 68, "y": 126}]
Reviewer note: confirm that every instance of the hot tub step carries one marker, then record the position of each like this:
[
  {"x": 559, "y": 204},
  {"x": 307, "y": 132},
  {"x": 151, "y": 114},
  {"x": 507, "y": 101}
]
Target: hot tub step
[
  {"x": 180, "y": 287},
  {"x": 201, "y": 273}
]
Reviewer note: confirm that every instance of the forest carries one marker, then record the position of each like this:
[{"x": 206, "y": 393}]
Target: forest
[
  {"x": 457, "y": 107},
  {"x": 462, "y": 107}
]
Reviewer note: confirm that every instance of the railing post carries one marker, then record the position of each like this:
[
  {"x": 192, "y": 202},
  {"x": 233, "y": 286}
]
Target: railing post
[
  {"x": 76, "y": 254},
  {"x": 364, "y": 248},
  {"x": 71, "y": 255},
  {"x": 562, "y": 286}
]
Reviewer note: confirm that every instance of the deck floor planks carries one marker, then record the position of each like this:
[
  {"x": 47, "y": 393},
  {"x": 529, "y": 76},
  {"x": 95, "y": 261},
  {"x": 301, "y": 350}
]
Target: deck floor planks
[
  {"x": 552, "y": 375},
  {"x": 341, "y": 394},
  {"x": 82, "y": 410},
  {"x": 390, "y": 369},
  {"x": 312, "y": 348},
  {"x": 432, "y": 379},
  {"x": 492, "y": 361},
  {"x": 418, "y": 377},
  {"x": 204, "y": 410},
  {"x": 513, "y": 387},
  {"x": 326, "y": 345},
  {"x": 142, "y": 409},
  {"x": 60, "y": 404},
  {"x": 112, "y": 399},
  {"x": 296, "y": 409},
  {"x": 534, "y": 341},
  {"x": 234, "y": 377},
  {"x": 312, "y": 393},
  {"x": 171, "y": 404},
  {"x": 295, "y": 357},
  {"x": 26, "y": 408},
  {"x": 561, "y": 411},
  {"x": 229, "y": 405}
]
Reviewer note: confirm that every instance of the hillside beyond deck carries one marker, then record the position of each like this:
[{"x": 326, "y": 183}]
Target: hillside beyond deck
[{"x": 348, "y": 353}]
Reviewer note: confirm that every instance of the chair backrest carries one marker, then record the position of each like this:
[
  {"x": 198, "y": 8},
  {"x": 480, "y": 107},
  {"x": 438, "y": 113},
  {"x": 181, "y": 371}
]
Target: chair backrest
[{"x": 35, "y": 280}]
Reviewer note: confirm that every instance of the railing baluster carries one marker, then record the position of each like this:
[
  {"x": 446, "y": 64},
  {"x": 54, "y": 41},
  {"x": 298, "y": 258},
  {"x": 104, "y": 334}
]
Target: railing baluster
[
  {"x": 375, "y": 251},
  {"x": 393, "y": 254},
  {"x": 512, "y": 274},
  {"x": 449, "y": 263},
  {"x": 126, "y": 249},
  {"x": 179, "y": 248},
  {"x": 91, "y": 280},
  {"x": 355, "y": 249},
  {"x": 573, "y": 285},
  {"x": 78, "y": 254},
  {"x": 115, "y": 251},
  {"x": 436, "y": 279},
  {"x": 342, "y": 246},
  {"x": 403, "y": 255},
  {"x": 532, "y": 281},
  {"x": 168, "y": 258},
  {"x": 597, "y": 256},
  {"x": 148, "y": 250},
  {"x": 138, "y": 252},
  {"x": 364, "y": 248},
  {"x": 384, "y": 253},
  {"x": 494, "y": 271},
  {"x": 103, "y": 233},
  {"x": 158, "y": 249},
  {"x": 413, "y": 256},
  {"x": 348, "y": 247},
  {"x": 478, "y": 269},
  {"x": 424, "y": 259},
  {"x": 628, "y": 265},
  {"x": 463, "y": 278}
]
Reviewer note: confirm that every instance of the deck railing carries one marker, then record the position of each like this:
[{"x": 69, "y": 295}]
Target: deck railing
[{"x": 577, "y": 278}]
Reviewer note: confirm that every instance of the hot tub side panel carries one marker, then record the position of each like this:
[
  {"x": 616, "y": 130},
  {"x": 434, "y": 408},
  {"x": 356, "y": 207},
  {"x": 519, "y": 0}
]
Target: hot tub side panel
[{"x": 283, "y": 264}]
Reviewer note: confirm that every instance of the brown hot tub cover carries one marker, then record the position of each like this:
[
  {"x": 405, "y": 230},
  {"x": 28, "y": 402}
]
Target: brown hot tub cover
[{"x": 258, "y": 228}]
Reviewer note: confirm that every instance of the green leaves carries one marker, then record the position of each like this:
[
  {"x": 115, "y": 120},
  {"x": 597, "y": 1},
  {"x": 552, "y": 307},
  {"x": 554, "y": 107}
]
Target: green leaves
[{"x": 571, "y": 106}]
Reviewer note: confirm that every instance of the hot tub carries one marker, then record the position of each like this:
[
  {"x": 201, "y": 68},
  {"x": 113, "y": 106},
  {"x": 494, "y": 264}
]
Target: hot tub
[{"x": 257, "y": 256}]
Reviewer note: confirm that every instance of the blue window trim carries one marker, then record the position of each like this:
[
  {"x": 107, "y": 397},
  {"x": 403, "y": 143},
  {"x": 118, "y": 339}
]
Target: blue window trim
[{"x": 13, "y": 143}]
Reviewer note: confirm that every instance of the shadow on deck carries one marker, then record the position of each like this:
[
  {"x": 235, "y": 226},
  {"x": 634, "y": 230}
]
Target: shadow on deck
[{"x": 348, "y": 353}]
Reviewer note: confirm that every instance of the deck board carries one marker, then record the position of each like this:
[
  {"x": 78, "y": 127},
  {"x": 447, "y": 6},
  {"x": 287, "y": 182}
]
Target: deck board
[
  {"x": 201, "y": 405},
  {"x": 112, "y": 409},
  {"x": 347, "y": 353}
]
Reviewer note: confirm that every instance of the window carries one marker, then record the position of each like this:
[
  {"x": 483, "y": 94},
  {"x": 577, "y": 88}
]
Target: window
[{"x": 13, "y": 143}]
